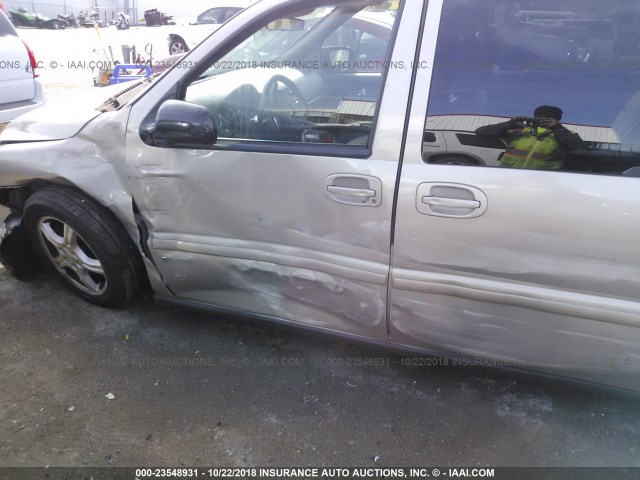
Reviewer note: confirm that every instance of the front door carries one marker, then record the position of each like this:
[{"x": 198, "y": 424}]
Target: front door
[{"x": 288, "y": 215}]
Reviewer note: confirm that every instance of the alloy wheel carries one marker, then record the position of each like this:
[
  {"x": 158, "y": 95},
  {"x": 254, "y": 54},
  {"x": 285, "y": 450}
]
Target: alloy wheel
[{"x": 72, "y": 256}]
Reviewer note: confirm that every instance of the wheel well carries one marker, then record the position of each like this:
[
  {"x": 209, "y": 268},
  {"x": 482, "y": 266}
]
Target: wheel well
[{"x": 15, "y": 199}]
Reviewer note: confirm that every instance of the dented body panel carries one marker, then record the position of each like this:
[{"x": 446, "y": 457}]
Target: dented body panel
[
  {"x": 80, "y": 160},
  {"x": 90, "y": 161},
  {"x": 544, "y": 277},
  {"x": 547, "y": 278}
]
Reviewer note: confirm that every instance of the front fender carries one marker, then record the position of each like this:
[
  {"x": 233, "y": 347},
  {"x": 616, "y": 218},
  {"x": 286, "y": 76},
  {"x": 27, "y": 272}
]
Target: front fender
[{"x": 92, "y": 161}]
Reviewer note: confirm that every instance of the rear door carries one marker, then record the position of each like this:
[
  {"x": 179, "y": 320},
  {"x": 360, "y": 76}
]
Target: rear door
[
  {"x": 16, "y": 77},
  {"x": 526, "y": 267}
]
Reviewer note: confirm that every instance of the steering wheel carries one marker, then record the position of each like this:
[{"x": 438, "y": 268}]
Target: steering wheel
[{"x": 273, "y": 105}]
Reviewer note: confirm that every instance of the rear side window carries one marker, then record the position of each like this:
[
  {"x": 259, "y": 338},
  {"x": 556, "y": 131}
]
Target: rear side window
[
  {"x": 5, "y": 26},
  {"x": 538, "y": 85}
]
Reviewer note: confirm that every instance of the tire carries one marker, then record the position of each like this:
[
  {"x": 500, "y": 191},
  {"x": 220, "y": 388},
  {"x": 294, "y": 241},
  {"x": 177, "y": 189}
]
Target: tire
[
  {"x": 84, "y": 244},
  {"x": 56, "y": 25},
  {"x": 177, "y": 46}
]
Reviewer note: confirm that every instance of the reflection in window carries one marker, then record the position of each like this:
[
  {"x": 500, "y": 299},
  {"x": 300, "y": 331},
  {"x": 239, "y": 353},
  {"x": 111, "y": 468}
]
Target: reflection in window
[
  {"x": 300, "y": 78},
  {"x": 501, "y": 59}
]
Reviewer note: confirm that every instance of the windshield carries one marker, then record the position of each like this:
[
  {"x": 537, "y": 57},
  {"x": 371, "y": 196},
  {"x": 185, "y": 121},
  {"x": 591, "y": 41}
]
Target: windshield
[
  {"x": 285, "y": 42},
  {"x": 269, "y": 43}
]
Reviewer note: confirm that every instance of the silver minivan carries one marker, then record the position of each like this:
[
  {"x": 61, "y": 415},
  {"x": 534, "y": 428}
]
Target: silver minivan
[
  {"x": 279, "y": 170},
  {"x": 20, "y": 90}
]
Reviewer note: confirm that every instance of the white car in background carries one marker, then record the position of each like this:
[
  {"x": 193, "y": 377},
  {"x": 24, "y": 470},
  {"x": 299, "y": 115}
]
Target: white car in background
[
  {"x": 206, "y": 23},
  {"x": 20, "y": 91}
]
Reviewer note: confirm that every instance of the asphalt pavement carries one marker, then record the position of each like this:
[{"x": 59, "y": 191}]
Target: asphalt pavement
[{"x": 153, "y": 384}]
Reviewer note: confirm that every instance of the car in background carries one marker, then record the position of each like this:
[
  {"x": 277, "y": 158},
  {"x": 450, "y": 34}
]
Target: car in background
[
  {"x": 20, "y": 90},
  {"x": 216, "y": 15},
  {"x": 206, "y": 23}
]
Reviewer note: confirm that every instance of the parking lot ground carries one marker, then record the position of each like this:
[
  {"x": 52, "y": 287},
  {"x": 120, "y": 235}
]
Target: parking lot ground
[{"x": 195, "y": 389}]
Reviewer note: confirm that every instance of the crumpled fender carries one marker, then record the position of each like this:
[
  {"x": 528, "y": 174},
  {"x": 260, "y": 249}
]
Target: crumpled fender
[{"x": 92, "y": 161}]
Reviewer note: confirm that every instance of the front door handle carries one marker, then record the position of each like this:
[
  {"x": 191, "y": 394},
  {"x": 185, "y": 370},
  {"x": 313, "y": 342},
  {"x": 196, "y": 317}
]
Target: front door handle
[
  {"x": 452, "y": 200},
  {"x": 350, "y": 189},
  {"x": 351, "y": 192}
]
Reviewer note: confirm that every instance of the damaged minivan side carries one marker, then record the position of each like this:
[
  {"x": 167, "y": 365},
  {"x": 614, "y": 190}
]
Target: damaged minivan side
[{"x": 302, "y": 165}]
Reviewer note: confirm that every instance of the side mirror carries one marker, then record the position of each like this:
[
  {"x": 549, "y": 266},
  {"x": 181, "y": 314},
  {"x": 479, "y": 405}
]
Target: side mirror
[{"x": 183, "y": 124}]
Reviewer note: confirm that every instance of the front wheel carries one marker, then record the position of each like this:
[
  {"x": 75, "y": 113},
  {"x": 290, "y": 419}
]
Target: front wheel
[
  {"x": 177, "y": 46},
  {"x": 56, "y": 25},
  {"x": 84, "y": 244}
]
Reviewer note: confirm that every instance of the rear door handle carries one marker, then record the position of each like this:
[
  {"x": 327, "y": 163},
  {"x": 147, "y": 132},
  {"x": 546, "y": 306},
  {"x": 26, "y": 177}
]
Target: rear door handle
[
  {"x": 452, "y": 200},
  {"x": 361, "y": 190}
]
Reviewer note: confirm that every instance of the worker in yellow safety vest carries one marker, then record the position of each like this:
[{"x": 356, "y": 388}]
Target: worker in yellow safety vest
[{"x": 536, "y": 143}]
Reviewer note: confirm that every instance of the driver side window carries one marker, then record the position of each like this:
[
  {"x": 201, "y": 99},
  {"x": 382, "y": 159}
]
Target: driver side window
[{"x": 297, "y": 80}]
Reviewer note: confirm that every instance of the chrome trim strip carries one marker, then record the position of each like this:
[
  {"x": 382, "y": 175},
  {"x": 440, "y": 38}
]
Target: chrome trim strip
[{"x": 561, "y": 302}]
